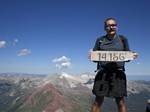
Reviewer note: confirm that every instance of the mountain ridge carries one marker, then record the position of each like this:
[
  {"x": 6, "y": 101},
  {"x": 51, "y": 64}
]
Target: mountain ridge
[{"x": 61, "y": 93}]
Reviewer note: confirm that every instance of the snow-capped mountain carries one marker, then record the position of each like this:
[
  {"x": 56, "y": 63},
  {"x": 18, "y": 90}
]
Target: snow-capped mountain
[
  {"x": 60, "y": 92},
  {"x": 70, "y": 81}
]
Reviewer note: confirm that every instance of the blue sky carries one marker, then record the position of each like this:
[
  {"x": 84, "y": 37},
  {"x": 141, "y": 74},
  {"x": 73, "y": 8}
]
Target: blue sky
[{"x": 34, "y": 33}]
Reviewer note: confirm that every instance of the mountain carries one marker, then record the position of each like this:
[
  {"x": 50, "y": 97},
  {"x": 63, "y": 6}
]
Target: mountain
[
  {"x": 62, "y": 93},
  {"x": 45, "y": 99}
]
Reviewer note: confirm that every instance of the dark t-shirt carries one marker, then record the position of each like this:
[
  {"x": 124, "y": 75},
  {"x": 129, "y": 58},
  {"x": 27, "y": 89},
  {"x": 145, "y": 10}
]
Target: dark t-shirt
[
  {"x": 118, "y": 43},
  {"x": 148, "y": 108}
]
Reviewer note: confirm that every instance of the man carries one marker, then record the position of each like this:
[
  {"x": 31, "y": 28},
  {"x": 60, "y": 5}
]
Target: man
[{"x": 110, "y": 79}]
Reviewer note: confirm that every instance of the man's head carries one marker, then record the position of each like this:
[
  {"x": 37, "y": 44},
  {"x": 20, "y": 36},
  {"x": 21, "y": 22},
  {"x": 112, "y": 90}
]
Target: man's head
[{"x": 110, "y": 26}]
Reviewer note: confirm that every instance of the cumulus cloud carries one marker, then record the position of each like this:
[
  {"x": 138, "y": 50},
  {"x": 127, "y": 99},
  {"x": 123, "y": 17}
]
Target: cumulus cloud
[
  {"x": 62, "y": 62},
  {"x": 15, "y": 41},
  {"x": 61, "y": 59},
  {"x": 2, "y": 44},
  {"x": 24, "y": 52}
]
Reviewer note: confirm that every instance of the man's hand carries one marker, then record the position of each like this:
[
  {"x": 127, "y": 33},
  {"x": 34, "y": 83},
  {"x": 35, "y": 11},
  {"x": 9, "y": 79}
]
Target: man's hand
[
  {"x": 135, "y": 55},
  {"x": 89, "y": 54}
]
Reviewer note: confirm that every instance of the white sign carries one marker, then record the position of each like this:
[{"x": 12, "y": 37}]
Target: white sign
[{"x": 112, "y": 55}]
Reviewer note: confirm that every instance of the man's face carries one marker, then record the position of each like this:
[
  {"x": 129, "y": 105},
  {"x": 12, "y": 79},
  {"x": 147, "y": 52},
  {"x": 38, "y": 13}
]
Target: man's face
[{"x": 111, "y": 27}]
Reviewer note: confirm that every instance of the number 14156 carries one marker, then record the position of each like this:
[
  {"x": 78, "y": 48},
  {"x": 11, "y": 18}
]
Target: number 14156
[{"x": 111, "y": 56}]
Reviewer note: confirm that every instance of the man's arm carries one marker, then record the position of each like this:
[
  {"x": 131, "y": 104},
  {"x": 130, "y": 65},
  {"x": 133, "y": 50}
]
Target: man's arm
[{"x": 96, "y": 46}]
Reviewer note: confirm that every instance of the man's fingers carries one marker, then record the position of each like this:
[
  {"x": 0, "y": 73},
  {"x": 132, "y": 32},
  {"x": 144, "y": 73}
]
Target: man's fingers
[
  {"x": 89, "y": 54},
  {"x": 135, "y": 55}
]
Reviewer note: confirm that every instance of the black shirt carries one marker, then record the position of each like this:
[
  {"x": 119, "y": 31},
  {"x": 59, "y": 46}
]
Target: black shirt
[{"x": 118, "y": 43}]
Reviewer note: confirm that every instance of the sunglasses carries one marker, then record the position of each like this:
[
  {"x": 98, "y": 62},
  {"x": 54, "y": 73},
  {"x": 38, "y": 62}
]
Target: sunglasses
[{"x": 109, "y": 26}]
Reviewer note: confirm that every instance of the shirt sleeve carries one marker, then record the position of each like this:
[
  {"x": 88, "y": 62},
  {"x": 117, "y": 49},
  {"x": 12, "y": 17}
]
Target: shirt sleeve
[
  {"x": 96, "y": 46},
  {"x": 125, "y": 43},
  {"x": 126, "y": 47}
]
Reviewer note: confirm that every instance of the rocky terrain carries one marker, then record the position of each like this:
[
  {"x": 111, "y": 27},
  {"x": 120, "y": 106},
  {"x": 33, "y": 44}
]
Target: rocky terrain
[{"x": 61, "y": 93}]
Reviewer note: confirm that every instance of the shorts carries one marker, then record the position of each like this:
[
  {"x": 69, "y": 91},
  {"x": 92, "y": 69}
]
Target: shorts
[{"x": 110, "y": 83}]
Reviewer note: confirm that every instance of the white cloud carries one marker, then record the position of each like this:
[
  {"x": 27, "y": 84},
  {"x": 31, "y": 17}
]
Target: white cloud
[
  {"x": 61, "y": 59},
  {"x": 24, "y": 52},
  {"x": 2, "y": 44},
  {"x": 15, "y": 41},
  {"x": 62, "y": 62},
  {"x": 65, "y": 65}
]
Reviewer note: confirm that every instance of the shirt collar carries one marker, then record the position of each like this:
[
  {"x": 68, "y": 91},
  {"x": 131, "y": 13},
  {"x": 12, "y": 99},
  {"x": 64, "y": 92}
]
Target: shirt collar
[{"x": 110, "y": 38}]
